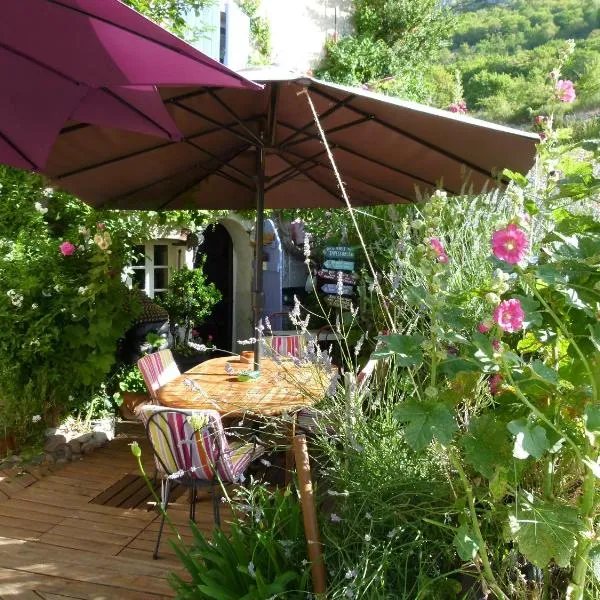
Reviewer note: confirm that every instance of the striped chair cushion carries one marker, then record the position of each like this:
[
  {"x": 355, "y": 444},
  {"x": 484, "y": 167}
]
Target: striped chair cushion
[
  {"x": 158, "y": 369},
  {"x": 194, "y": 443},
  {"x": 286, "y": 345}
]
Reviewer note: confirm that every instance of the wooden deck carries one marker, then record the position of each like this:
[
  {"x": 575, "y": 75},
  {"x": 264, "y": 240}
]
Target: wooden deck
[{"x": 56, "y": 544}]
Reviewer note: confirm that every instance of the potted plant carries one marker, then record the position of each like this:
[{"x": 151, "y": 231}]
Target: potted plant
[
  {"x": 189, "y": 300},
  {"x": 133, "y": 391}
]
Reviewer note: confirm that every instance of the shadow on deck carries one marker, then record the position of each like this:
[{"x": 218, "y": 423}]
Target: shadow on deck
[{"x": 56, "y": 543}]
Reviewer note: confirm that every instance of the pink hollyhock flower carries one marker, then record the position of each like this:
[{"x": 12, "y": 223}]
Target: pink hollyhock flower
[
  {"x": 482, "y": 328},
  {"x": 495, "y": 383},
  {"x": 510, "y": 244},
  {"x": 565, "y": 91},
  {"x": 101, "y": 226},
  {"x": 509, "y": 315},
  {"x": 458, "y": 107},
  {"x": 438, "y": 248},
  {"x": 496, "y": 345},
  {"x": 66, "y": 248}
]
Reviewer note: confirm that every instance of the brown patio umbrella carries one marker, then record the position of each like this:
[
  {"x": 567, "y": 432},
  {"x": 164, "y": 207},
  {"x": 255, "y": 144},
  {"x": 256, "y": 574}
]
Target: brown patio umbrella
[{"x": 244, "y": 149}]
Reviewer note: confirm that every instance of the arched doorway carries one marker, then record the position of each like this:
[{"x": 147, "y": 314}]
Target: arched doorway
[{"x": 218, "y": 268}]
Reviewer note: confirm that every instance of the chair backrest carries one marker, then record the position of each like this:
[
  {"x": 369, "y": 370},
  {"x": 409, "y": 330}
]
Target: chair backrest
[
  {"x": 158, "y": 369},
  {"x": 191, "y": 443},
  {"x": 286, "y": 345}
]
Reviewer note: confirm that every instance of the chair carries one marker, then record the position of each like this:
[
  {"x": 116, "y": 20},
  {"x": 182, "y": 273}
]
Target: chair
[
  {"x": 285, "y": 345},
  {"x": 191, "y": 449},
  {"x": 158, "y": 369}
]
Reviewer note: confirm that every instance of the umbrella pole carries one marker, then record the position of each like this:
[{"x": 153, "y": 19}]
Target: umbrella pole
[{"x": 258, "y": 296}]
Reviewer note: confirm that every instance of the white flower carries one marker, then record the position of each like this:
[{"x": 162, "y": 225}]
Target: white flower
[
  {"x": 349, "y": 593},
  {"x": 340, "y": 283},
  {"x": 251, "y": 570},
  {"x": 492, "y": 298},
  {"x": 83, "y": 231},
  {"x": 36, "y": 419},
  {"x": 368, "y": 516},
  {"x": 350, "y": 574},
  {"x": 34, "y": 342},
  {"x": 441, "y": 194},
  {"x": 367, "y": 537},
  {"x": 34, "y": 305},
  {"x": 82, "y": 289},
  {"x": 335, "y": 518},
  {"x": 265, "y": 462},
  {"x": 48, "y": 192},
  {"x": 40, "y": 208},
  {"x": 57, "y": 288}
]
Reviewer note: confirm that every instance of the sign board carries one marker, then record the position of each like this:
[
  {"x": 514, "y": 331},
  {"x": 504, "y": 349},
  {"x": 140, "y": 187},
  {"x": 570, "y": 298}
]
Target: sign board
[
  {"x": 339, "y": 265},
  {"x": 328, "y": 275},
  {"x": 338, "y": 302},
  {"x": 332, "y": 288},
  {"x": 338, "y": 252}
]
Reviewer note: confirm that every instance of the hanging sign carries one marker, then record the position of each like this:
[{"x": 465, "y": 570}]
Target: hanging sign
[
  {"x": 338, "y": 302},
  {"x": 339, "y": 252},
  {"x": 328, "y": 275},
  {"x": 339, "y": 265},
  {"x": 332, "y": 288}
]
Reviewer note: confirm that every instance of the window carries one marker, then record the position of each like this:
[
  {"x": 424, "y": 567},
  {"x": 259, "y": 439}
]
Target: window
[{"x": 151, "y": 269}]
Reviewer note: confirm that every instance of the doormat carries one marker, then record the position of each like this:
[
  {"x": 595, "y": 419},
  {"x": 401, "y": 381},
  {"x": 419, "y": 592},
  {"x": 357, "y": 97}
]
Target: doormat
[{"x": 132, "y": 491}]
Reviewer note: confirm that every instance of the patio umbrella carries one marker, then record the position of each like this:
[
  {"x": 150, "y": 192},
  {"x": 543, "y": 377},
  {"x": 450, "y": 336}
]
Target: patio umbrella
[
  {"x": 244, "y": 150},
  {"x": 91, "y": 62}
]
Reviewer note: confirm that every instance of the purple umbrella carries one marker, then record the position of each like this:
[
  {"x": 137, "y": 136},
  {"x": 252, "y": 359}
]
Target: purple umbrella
[{"x": 90, "y": 61}]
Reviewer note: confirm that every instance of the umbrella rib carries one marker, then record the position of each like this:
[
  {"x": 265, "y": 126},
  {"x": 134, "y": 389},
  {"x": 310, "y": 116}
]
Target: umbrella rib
[
  {"x": 196, "y": 58},
  {"x": 147, "y": 186},
  {"x": 334, "y": 130},
  {"x": 39, "y": 63},
  {"x": 408, "y": 135},
  {"x": 235, "y": 116},
  {"x": 217, "y": 157},
  {"x": 136, "y": 110},
  {"x": 304, "y": 171},
  {"x": 137, "y": 153},
  {"x": 214, "y": 122},
  {"x": 339, "y": 104},
  {"x": 273, "y": 113},
  {"x": 373, "y": 185},
  {"x": 18, "y": 151},
  {"x": 284, "y": 175},
  {"x": 292, "y": 173},
  {"x": 368, "y": 158},
  {"x": 215, "y": 171}
]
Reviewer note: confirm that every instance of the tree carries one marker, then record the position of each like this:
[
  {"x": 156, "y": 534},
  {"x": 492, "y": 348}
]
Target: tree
[
  {"x": 171, "y": 14},
  {"x": 394, "y": 43}
]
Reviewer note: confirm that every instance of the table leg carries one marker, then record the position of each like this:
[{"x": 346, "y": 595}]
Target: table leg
[{"x": 289, "y": 453}]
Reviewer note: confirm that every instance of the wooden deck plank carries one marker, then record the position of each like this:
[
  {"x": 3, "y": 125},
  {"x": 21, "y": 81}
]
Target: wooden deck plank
[{"x": 14, "y": 582}]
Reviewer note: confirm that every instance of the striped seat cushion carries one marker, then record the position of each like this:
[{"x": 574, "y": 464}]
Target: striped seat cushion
[
  {"x": 158, "y": 369},
  {"x": 194, "y": 444},
  {"x": 286, "y": 345}
]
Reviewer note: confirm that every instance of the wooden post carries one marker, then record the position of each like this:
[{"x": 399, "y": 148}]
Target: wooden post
[{"x": 309, "y": 513}]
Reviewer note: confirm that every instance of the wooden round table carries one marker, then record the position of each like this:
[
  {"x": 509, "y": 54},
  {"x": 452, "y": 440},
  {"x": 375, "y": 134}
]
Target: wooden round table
[{"x": 281, "y": 388}]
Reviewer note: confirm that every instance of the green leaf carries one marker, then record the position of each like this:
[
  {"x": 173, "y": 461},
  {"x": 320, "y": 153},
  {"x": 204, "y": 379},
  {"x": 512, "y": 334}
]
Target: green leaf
[
  {"x": 591, "y": 419},
  {"x": 465, "y": 543},
  {"x": 406, "y": 349},
  {"x": 453, "y": 366},
  {"x": 487, "y": 445},
  {"x": 424, "y": 421},
  {"x": 595, "y": 335},
  {"x": 544, "y": 372},
  {"x": 530, "y": 439},
  {"x": 519, "y": 179},
  {"x": 545, "y": 532},
  {"x": 533, "y": 317}
]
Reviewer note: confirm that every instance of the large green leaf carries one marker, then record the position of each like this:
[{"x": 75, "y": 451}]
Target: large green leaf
[
  {"x": 530, "y": 439},
  {"x": 465, "y": 543},
  {"x": 424, "y": 421},
  {"x": 487, "y": 444},
  {"x": 591, "y": 418},
  {"x": 545, "y": 532},
  {"x": 406, "y": 349}
]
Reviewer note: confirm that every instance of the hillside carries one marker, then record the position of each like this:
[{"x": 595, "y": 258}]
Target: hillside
[{"x": 504, "y": 52}]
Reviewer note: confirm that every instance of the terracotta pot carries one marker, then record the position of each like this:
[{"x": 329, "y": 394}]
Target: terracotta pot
[{"x": 131, "y": 400}]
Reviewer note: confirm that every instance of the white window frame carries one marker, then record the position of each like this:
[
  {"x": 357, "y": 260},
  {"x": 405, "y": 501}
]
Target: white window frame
[{"x": 149, "y": 267}]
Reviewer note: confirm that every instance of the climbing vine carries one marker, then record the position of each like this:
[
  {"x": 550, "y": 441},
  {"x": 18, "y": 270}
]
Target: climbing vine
[{"x": 260, "y": 32}]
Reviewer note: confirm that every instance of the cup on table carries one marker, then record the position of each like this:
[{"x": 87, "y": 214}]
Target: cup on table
[{"x": 247, "y": 356}]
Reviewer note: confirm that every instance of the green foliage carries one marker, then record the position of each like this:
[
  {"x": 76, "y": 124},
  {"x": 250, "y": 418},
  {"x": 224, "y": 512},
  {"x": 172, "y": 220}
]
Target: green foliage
[
  {"x": 394, "y": 43},
  {"x": 189, "y": 299},
  {"x": 131, "y": 380},
  {"x": 260, "y": 31},
  {"x": 506, "y": 52},
  {"x": 171, "y": 14},
  {"x": 263, "y": 556}
]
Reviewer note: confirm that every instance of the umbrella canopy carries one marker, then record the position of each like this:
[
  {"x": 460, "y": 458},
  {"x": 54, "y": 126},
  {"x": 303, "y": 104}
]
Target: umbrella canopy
[
  {"x": 243, "y": 150},
  {"x": 384, "y": 147},
  {"x": 92, "y": 62}
]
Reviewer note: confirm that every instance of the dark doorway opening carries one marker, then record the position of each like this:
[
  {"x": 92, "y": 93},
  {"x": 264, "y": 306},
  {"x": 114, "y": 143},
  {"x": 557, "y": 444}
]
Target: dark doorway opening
[{"x": 218, "y": 268}]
